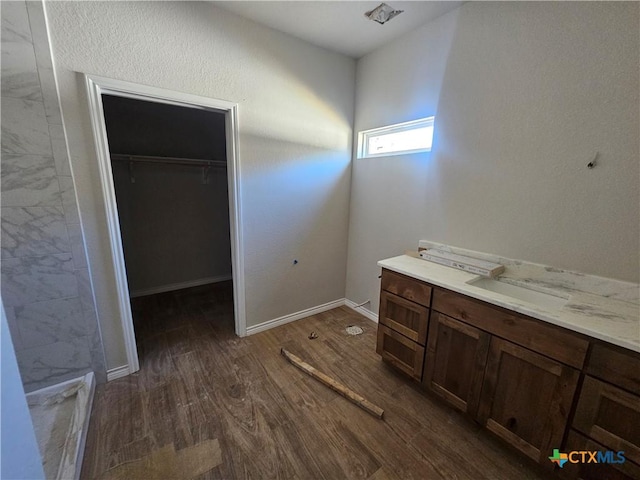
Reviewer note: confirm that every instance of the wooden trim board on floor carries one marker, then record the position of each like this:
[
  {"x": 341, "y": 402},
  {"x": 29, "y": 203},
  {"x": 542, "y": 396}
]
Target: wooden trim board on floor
[{"x": 334, "y": 385}]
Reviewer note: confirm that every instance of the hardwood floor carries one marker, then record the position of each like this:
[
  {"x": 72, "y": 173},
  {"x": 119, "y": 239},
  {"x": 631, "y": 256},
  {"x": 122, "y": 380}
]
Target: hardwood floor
[{"x": 208, "y": 405}]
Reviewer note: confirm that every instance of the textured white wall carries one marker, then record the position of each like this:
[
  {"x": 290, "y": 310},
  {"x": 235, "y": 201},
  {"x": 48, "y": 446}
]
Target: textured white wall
[
  {"x": 295, "y": 109},
  {"x": 524, "y": 95}
]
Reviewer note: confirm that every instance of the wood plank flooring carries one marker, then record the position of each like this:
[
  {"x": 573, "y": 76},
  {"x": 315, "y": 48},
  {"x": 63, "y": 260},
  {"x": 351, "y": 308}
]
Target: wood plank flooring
[{"x": 209, "y": 405}]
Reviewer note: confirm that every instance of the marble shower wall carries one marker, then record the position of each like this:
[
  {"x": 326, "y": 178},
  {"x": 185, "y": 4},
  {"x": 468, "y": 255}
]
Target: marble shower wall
[{"x": 46, "y": 286}]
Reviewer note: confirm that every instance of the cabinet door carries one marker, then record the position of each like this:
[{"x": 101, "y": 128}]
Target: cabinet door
[
  {"x": 595, "y": 471},
  {"x": 455, "y": 361},
  {"x": 408, "y": 318},
  {"x": 399, "y": 351},
  {"x": 610, "y": 416},
  {"x": 526, "y": 398}
]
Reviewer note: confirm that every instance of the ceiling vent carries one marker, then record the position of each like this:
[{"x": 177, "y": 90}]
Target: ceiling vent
[{"x": 382, "y": 13}]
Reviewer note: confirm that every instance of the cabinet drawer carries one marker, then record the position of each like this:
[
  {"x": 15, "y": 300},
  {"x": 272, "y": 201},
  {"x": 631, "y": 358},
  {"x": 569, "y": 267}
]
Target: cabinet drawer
[
  {"x": 595, "y": 471},
  {"x": 408, "y": 318},
  {"x": 399, "y": 351},
  {"x": 615, "y": 365},
  {"x": 406, "y": 287},
  {"x": 555, "y": 342},
  {"x": 610, "y": 416}
]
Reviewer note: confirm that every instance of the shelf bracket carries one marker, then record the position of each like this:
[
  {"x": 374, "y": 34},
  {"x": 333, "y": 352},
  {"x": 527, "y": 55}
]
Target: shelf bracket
[{"x": 132, "y": 174}]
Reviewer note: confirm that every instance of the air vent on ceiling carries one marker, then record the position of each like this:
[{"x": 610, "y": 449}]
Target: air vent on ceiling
[{"x": 382, "y": 13}]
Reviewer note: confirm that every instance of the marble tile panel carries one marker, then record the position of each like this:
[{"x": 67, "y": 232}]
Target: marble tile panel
[
  {"x": 29, "y": 181},
  {"x": 13, "y": 328},
  {"x": 85, "y": 289},
  {"x": 35, "y": 279},
  {"x": 42, "y": 323},
  {"x": 59, "y": 145},
  {"x": 92, "y": 323},
  {"x": 50, "y": 95},
  {"x": 19, "y": 73},
  {"x": 15, "y": 22},
  {"x": 98, "y": 361},
  {"x": 54, "y": 363},
  {"x": 30, "y": 231},
  {"x": 77, "y": 245},
  {"x": 68, "y": 193},
  {"x": 44, "y": 62},
  {"x": 39, "y": 34},
  {"x": 24, "y": 128}
]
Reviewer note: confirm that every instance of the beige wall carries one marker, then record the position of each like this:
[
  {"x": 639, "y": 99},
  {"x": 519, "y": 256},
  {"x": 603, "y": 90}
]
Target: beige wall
[
  {"x": 525, "y": 95},
  {"x": 175, "y": 228},
  {"x": 295, "y": 116}
]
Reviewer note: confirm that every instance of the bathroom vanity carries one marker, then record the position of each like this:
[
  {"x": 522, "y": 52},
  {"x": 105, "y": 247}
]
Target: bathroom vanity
[{"x": 541, "y": 373}]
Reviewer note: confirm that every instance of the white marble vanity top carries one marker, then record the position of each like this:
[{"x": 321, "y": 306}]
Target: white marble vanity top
[{"x": 600, "y": 308}]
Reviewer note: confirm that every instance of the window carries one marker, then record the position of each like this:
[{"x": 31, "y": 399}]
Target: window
[{"x": 408, "y": 137}]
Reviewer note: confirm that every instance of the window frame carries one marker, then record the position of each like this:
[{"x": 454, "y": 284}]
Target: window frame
[{"x": 364, "y": 135}]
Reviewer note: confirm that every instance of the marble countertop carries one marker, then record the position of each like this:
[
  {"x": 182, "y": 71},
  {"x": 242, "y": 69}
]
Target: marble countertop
[{"x": 594, "y": 307}]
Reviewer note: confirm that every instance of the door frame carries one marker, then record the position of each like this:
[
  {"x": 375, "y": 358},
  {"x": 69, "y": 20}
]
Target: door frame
[{"x": 97, "y": 86}]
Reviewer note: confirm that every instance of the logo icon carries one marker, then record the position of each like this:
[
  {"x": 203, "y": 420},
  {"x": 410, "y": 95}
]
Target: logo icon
[{"x": 559, "y": 458}]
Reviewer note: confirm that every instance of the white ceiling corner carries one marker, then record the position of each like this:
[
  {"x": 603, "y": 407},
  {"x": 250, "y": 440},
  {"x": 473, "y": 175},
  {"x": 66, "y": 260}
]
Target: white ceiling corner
[{"x": 339, "y": 26}]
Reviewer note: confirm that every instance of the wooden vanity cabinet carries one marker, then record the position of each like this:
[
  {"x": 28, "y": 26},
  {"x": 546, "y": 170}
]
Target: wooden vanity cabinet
[{"x": 531, "y": 383}]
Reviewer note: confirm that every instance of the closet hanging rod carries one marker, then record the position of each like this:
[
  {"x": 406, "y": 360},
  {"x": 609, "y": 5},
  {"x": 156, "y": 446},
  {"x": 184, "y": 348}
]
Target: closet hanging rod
[{"x": 168, "y": 160}]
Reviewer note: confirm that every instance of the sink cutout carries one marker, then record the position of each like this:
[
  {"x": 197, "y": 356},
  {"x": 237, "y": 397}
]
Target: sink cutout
[{"x": 521, "y": 293}]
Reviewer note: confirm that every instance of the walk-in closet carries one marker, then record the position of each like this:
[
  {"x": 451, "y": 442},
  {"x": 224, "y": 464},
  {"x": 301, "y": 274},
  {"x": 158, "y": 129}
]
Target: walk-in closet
[{"x": 170, "y": 179}]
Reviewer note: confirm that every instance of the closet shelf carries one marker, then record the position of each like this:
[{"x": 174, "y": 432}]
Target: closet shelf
[
  {"x": 168, "y": 160},
  {"x": 194, "y": 162}
]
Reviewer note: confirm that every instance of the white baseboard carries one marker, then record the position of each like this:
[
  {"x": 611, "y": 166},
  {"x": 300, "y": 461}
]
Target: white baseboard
[
  {"x": 178, "y": 286},
  {"x": 117, "y": 372},
  {"x": 276, "y": 322},
  {"x": 364, "y": 311}
]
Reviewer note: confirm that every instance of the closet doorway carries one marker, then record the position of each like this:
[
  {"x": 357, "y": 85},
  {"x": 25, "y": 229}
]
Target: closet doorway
[{"x": 170, "y": 178}]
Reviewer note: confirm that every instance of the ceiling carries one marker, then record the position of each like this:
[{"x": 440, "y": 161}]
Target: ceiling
[{"x": 339, "y": 26}]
